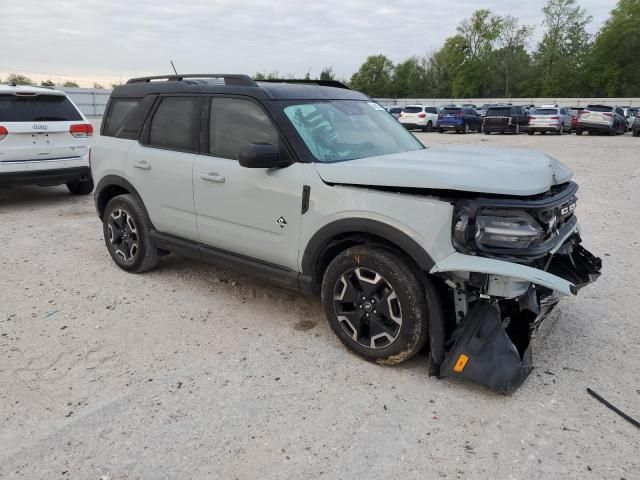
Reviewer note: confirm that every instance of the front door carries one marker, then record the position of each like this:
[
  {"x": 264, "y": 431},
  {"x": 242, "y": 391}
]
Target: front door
[{"x": 253, "y": 212}]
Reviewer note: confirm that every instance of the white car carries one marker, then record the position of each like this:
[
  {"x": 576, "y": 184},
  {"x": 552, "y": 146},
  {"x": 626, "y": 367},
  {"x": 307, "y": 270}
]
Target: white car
[
  {"x": 44, "y": 139},
  {"x": 419, "y": 117},
  {"x": 550, "y": 118}
]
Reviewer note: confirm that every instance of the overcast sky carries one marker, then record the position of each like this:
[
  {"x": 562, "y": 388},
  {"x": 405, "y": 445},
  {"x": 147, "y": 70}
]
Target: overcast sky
[{"x": 111, "y": 39}]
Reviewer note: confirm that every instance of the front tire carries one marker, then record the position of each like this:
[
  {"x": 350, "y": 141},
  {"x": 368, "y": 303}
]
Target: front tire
[
  {"x": 376, "y": 304},
  {"x": 81, "y": 187},
  {"x": 127, "y": 233}
]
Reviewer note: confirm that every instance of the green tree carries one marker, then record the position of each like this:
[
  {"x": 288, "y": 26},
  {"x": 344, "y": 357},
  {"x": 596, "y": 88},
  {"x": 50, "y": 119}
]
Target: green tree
[
  {"x": 512, "y": 55},
  {"x": 409, "y": 79},
  {"x": 47, "y": 83},
  {"x": 19, "y": 79},
  {"x": 267, "y": 76},
  {"x": 70, "y": 84},
  {"x": 443, "y": 66},
  {"x": 614, "y": 65},
  {"x": 327, "y": 74},
  {"x": 374, "y": 77},
  {"x": 97, "y": 85},
  {"x": 563, "y": 48}
]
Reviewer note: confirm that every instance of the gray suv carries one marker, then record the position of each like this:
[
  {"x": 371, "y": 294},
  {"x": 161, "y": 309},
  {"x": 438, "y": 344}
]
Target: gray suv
[{"x": 460, "y": 252}]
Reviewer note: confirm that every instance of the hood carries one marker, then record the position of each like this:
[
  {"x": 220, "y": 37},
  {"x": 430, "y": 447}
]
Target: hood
[{"x": 470, "y": 169}]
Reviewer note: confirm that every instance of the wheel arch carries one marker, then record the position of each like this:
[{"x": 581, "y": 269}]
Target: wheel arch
[
  {"x": 342, "y": 234},
  {"x": 111, "y": 186}
]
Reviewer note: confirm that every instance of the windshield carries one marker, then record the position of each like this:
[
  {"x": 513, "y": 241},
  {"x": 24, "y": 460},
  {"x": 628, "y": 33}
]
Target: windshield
[
  {"x": 339, "y": 130},
  {"x": 37, "y": 108}
]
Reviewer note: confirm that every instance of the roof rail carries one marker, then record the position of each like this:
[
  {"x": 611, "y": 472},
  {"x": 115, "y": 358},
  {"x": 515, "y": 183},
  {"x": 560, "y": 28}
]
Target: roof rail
[
  {"x": 233, "y": 79},
  {"x": 322, "y": 83}
]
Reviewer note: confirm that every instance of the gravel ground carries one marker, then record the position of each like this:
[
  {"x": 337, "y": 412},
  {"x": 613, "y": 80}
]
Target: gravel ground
[{"x": 190, "y": 371}]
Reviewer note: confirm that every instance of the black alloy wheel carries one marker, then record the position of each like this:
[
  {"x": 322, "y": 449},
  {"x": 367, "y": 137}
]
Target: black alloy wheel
[{"x": 123, "y": 235}]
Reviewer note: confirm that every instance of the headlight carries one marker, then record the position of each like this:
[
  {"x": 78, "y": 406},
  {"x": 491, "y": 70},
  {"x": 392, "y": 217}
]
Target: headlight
[{"x": 498, "y": 229}]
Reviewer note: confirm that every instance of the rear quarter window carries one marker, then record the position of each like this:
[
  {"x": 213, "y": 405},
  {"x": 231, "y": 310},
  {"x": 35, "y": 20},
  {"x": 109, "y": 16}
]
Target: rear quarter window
[
  {"x": 37, "y": 108},
  {"x": 119, "y": 110},
  {"x": 431, "y": 110}
]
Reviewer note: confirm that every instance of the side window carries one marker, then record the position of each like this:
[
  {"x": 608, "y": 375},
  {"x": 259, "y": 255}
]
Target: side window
[
  {"x": 119, "y": 110},
  {"x": 176, "y": 124},
  {"x": 235, "y": 123},
  {"x": 431, "y": 110}
]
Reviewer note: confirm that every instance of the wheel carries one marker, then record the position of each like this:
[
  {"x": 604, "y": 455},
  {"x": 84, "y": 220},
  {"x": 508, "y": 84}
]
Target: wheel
[
  {"x": 543, "y": 132},
  {"x": 578, "y": 131},
  {"x": 127, "y": 234},
  {"x": 81, "y": 187},
  {"x": 441, "y": 130},
  {"x": 486, "y": 132},
  {"x": 530, "y": 132},
  {"x": 376, "y": 304},
  {"x": 636, "y": 132},
  {"x": 613, "y": 132},
  {"x": 465, "y": 129},
  {"x": 429, "y": 126},
  {"x": 517, "y": 130}
]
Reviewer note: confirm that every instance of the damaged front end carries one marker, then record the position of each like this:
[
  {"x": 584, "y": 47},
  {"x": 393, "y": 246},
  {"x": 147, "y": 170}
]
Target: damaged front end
[{"x": 515, "y": 259}]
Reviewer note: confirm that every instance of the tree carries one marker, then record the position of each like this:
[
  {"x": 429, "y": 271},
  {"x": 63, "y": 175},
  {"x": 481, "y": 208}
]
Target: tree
[
  {"x": 97, "y": 85},
  {"x": 614, "y": 65},
  {"x": 513, "y": 40},
  {"x": 327, "y": 74},
  {"x": 409, "y": 79},
  {"x": 442, "y": 67},
  {"x": 70, "y": 84},
  {"x": 563, "y": 48},
  {"x": 267, "y": 76},
  {"x": 47, "y": 83},
  {"x": 479, "y": 32},
  {"x": 19, "y": 79},
  {"x": 374, "y": 76}
]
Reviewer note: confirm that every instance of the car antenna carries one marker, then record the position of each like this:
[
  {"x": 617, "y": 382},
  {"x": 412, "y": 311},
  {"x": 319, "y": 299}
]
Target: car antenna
[{"x": 173, "y": 66}]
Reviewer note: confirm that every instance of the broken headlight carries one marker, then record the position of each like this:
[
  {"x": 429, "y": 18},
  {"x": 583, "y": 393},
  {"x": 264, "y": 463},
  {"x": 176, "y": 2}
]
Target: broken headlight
[{"x": 496, "y": 229}]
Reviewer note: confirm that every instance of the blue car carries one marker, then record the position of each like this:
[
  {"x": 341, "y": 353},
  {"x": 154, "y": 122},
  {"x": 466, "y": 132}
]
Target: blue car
[{"x": 459, "y": 119}]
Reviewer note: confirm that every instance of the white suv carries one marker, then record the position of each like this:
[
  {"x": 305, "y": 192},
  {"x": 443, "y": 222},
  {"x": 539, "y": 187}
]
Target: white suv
[
  {"x": 44, "y": 139},
  {"x": 319, "y": 188},
  {"x": 419, "y": 117}
]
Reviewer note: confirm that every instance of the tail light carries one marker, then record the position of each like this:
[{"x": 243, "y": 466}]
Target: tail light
[
  {"x": 554, "y": 118},
  {"x": 422, "y": 115},
  {"x": 607, "y": 114},
  {"x": 3, "y": 132},
  {"x": 510, "y": 119},
  {"x": 81, "y": 130},
  {"x": 532, "y": 117}
]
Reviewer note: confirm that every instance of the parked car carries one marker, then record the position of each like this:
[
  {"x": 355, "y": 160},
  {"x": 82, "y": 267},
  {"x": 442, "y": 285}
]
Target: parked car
[
  {"x": 482, "y": 111},
  {"x": 630, "y": 115},
  {"x": 419, "y": 117},
  {"x": 575, "y": 115},
  {"x": 602, "y": 119},
  {"x": 505, "y": 119},
  {"x": 292, "y": 183},
  {"x": 394, "y": 111},
  {"x": 470, "y": 105},
  {"x": 459, "y": 120},
  {"x": 550, "y": 118},
  {"x": 636, "y": 124},
  {"x": 44, "y": 139}
]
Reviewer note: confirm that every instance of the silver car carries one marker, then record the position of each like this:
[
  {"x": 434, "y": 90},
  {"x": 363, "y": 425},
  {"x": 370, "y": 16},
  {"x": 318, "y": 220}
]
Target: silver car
[{"x": 550, "y": 118}]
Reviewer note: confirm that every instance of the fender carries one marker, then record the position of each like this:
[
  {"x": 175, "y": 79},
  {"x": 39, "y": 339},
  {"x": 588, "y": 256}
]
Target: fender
[
  {"x": 116, "y": 180},
  {"x": 360, "y": 226}
]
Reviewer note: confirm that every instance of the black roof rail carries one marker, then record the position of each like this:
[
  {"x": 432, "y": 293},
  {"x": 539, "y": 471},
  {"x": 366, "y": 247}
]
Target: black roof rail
[
  {"x": 229, "y": 79},
  {"x": 321, "y": 83}
]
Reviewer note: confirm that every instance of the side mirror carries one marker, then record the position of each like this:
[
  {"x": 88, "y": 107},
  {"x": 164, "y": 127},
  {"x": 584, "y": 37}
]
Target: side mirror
[{"x": 262, "y": 155}]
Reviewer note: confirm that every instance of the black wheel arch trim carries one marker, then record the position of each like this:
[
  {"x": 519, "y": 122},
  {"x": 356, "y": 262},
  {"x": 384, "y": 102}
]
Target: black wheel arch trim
[
  {"x": 118, "y": 181},
  {"x": 355, "y": 226}
]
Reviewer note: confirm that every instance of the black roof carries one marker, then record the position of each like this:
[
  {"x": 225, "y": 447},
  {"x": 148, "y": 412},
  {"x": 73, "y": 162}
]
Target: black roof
[{"x": 236, "y": 84}]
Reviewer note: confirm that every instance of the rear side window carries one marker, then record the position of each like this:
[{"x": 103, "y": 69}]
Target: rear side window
[
  {"x": 37, "y": 108},
  {"x": 119, "y": 110},
  {"x": 412, "y": 109},
  {"x": 176, "y": 124},
  {"x": 499, "y": 112},
  {"x": 235, "y": 123},
  {"x": 431, "y": 110},
  {"x": 395, "y": 110}
]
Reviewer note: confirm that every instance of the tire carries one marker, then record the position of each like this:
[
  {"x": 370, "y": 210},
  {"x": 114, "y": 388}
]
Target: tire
[
  {"x": 517, "y": 129},
  {"x": 429, "y": 126},
  {"x": 127, "y": 234},
  {"x": 578, "y": 131},
  {"x": 487, "y": 132},
  {"x": 465, "y": 129},
  {"x": 530, "y": 132},
  {"x": 400, "y": 330},
  {"x": 636, "y": 132},
  {"x": 81, "y": 187},
  {"x": 613, "y": 132},
  {"x": 440, "y": 130}
]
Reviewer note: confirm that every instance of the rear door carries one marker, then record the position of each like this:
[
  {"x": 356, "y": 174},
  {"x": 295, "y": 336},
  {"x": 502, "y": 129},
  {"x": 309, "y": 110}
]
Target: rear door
[
  {"x": 39, "y": 128},
  {"x": 160, "y": 166},
  {"x": 253, "y": 212}
]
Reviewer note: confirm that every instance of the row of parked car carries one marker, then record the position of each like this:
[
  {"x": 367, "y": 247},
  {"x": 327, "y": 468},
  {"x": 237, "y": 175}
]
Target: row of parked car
[{"x": 592, "y": 119}]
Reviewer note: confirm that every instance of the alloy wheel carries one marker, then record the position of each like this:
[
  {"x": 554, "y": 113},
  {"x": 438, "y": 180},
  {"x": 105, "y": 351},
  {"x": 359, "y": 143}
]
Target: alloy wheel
[
  {"x": 123, "y": 234},
  {"x": 367, "y": 308}
]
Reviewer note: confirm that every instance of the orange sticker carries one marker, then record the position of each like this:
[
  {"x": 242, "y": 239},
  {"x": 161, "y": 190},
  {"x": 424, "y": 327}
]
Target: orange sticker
[{"x": 461, "y": 363}]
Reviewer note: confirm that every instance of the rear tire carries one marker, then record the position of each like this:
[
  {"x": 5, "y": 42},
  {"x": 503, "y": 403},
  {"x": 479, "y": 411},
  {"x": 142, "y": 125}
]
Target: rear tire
[
  {"x": 636, "y": 132},
  {"x": 376, "y": 304},
  {"x": 127, "y": 234},
  {"x": 530, "y": 132},
  {"x": 429, "y": 127},
  {"x": 487, "y": 132},
  {"x": 578, "y": 131},
  {"x": 81, "y": 187}
]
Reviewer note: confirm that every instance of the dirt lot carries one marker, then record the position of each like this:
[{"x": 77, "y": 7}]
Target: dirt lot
[{"x": 189, "y": 371}]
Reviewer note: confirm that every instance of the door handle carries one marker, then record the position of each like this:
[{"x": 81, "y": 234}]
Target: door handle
[
  {"x": 142, "y": 165},
  {"x": 212, "y": 177}
]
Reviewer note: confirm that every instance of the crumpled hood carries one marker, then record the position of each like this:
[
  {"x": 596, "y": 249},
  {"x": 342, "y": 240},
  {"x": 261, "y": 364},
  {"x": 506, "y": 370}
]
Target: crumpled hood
[{"x": 471, "y": 169}]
